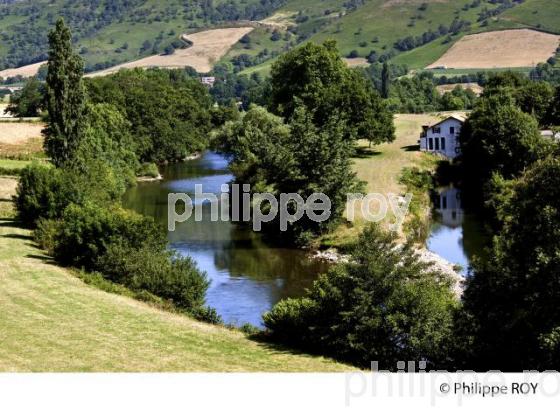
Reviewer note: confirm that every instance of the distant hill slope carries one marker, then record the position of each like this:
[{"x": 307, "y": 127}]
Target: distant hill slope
[
  {"x": 107, "y": 32},
  {"x": 412, "y": 32}
]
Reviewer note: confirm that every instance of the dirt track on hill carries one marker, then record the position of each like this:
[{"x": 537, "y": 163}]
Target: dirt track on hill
[{"x": 207, "y": 48}]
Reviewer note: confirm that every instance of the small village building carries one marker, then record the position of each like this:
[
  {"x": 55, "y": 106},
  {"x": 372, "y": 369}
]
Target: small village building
[
  {"x": 443, "y": 137},
  {"x": 208, "y": 81}
]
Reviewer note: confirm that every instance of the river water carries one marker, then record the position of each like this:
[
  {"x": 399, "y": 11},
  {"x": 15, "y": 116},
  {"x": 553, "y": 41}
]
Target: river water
[
  {"x": 456, "y": 235},
  {"x": 248, "y": 276}
]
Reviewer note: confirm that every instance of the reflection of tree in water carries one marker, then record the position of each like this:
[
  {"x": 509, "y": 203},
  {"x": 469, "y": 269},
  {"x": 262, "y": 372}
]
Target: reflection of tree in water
[
  {"x": 247, "y": 256},
  {"x": 272, "y": 272},
  {"x": 475, "y": 238}
]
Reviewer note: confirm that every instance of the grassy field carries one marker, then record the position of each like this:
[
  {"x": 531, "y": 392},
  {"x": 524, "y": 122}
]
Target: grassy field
[
  {"x": 506, "y": 48},
  {"x": 381, "y": 166},
  {"x": 52, "y": 321}
]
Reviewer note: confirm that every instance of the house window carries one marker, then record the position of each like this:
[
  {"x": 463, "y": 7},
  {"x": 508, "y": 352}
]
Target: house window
[
  {"x": 444, "y": 202},
  {"x": 452, "y": 130},
  {"x": 430, "y": 144},
  {"x": 437, "y": 144},
  {"x": 443, "y": 144},
  {"x": 437, "y": 130}
]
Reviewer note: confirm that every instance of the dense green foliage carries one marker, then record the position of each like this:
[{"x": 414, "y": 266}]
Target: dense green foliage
[
  {"x": 511, "y": 321},
  {"x": 106, "y": 138},
  {"x": 28, "y": 102},
  {"x": 127, "y": 248},
  {"x": 168, "y": 112},
  {"x": 418, "y": 94},
  {"x": 316, "y": 76},
  {"x": 45, "y": 191},
  {"x": 297, "y": 157},
  {"x": 385, "y": 305},
  {"x": 65, "y": 96},
  {"x": 501, "y": 136}
]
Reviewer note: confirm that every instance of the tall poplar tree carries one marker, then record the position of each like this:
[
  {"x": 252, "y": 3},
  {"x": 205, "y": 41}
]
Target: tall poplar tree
[{"x": 64, "y": 96}]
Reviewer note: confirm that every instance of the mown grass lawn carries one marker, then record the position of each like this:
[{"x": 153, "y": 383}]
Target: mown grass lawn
[
  {"x": 51, "y": 321},
  {"x": 380, "y": 168}
]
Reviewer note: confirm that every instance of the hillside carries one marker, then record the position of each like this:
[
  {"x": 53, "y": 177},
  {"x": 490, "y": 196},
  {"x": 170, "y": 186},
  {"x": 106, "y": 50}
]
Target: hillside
[
  {"x": 412, "y": 32},
  {"x": 108, "y": 32}
]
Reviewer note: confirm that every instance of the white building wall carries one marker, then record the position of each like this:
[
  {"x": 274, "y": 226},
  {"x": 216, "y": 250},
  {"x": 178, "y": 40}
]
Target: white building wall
[{"x": 449, "y": 131}]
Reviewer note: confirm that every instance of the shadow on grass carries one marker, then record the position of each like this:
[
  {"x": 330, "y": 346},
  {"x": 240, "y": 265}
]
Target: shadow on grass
[
  {"x": 365, "y": 152},
  {"x": 42, "y": 258},
  {"x": 18, "y": 236},
  {"x": 411, "y": 148},
  {"x": 10, "y": 223},
  {"x": 265, "y": 341}
]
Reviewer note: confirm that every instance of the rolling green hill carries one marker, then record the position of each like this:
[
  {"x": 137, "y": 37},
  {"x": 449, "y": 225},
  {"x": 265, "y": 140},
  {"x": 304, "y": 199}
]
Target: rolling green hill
[
  {"x": 412, "y": 32},
  {"x": 111, "y": 31},
  {"x": 377, "y": 25}
]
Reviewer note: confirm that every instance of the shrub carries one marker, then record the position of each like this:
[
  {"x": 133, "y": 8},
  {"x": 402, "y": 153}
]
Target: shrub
[
  {"x": 37, "y": 193},
  {"x": 148, "y": 169},
  {"x": 45, "y": 234},
  {"x": 385, "y": 305},
  {"x": 156, "y": 271},
  {"x": 87, "y": 231},
  {"x": 45, "y": 192}
]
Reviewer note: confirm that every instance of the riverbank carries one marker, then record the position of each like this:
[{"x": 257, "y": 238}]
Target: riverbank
[
  {"x": 380, "y": 167},
  {"x": 52, "y": 321}
]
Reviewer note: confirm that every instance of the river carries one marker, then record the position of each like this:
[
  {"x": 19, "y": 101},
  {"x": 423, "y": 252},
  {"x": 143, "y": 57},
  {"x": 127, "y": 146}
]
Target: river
[
  {"x": 248, "y": 276},
  {"x": 456, "y": 234}
]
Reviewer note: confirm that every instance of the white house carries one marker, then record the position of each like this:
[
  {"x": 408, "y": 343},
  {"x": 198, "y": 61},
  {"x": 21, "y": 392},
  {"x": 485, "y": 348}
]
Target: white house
[{"x": 443, "y": 136}]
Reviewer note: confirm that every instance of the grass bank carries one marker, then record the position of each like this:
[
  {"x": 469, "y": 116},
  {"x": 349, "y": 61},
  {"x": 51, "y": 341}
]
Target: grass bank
[
  {"x": 381, "y": 167},
  {"x": 52, "y": 321}
]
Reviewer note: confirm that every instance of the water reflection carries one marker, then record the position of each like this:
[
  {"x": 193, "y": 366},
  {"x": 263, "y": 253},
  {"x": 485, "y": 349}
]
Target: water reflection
[
  {"x": 248, "y": 275},
  {"x": 456, "y": 235}
]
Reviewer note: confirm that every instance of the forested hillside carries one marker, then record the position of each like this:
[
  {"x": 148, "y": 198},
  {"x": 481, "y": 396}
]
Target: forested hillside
[
  {"x": 110, "y": 31},
  {"x": 413, "y": 32}
]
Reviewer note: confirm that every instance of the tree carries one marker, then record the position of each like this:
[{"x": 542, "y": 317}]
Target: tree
[
  {"x": 535, "y": 98},
  {"x": 385, "y": 305},
  {"x": 511, "y": 315},
  {"x": 385, "y": 80},
  {"x": 28, "y": 102},
  {"x": 553, "y": 112},
  {"x": 315, "y": 76},
  {"x": 498, "y": 138},
  {"x": 64, "y": 96},
  {"x": 168, "y": 112},
  {"x": 295, "y": 158},
  {"x": 106, "y": 137}
]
